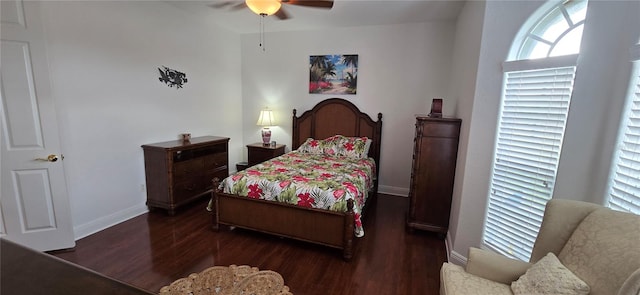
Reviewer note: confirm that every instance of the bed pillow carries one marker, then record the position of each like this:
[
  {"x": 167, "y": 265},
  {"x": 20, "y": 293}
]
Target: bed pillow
[
  {"x": 311, "y": 146},
  {"x": 338, "y": 145},
  {"x": 549, "y": 276},
  {"x": 355, "y": 147},
  {"x": 332, "y": 145}
]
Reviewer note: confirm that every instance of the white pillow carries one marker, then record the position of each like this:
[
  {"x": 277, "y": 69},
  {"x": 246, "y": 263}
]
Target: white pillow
[{"x": 549, "y": 276}]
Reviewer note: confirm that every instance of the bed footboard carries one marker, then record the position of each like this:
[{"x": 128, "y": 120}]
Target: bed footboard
[{"x": 332, "y": 229}]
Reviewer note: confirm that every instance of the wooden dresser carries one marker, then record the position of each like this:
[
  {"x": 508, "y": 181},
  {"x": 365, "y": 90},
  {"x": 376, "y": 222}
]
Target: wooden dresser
[
  {"x": 434, "y": 165},
  {"x": 179, "y": 172}
]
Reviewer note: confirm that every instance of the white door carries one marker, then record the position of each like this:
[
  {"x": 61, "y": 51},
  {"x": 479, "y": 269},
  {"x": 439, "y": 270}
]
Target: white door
[{"x": 34, "y": 206}]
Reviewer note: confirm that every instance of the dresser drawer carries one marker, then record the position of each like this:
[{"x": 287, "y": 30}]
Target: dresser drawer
[
  {"x": 196, "y": 184},
  {"x": 185, "y": 168},
  {"x": 215, "y": 160},
  {"x": 259, "y": 153},
  {"x": 259, "y": 156},
  {"x": 438, "y": 129},
  {"x": 209, "y": 176},
  {"x": 186, "y": 189}
]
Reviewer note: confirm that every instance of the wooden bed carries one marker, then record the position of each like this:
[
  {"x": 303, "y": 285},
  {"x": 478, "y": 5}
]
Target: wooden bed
[{"x": 334, "y": 229}]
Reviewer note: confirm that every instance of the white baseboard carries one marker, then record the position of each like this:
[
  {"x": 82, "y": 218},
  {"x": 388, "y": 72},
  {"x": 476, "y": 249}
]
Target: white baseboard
[
  {"x": 447, "y": 245},
  {"x": 101, "y": 223},
  {"x": 392, "y": 190},
  {"x": 453, "y": 256},
  {"x": 457, "y": 258}
]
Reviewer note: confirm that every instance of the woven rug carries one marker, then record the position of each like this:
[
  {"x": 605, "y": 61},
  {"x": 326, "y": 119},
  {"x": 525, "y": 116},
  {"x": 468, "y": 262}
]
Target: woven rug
[{"x": 229, "y": 280}]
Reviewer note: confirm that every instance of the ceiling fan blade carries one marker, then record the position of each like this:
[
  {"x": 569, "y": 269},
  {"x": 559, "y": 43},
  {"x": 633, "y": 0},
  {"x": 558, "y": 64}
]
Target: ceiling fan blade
[
  {"x": 328, "y": 4},
  {"x": 233, "y": 5},
  {"x": 282, "y": 14},
  {"x": 239, "y": 6},
  {"x": 221, "y": 4}
]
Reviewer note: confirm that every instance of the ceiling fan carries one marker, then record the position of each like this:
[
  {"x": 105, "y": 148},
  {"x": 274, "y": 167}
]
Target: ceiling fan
[{"x": 274, "y": 7}]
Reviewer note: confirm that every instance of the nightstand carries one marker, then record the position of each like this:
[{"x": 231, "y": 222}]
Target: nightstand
[{"x": 259, "y": 153}]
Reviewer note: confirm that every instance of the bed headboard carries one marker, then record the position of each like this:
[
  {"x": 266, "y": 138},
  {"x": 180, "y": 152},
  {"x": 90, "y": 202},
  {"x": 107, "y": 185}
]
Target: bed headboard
[{"x": 337, "y": 116}]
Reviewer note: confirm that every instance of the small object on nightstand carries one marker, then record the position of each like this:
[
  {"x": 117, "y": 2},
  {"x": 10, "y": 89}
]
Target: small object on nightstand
[
  {"x": 258, "y": 152},
  {"x": 186, "y": 137}
]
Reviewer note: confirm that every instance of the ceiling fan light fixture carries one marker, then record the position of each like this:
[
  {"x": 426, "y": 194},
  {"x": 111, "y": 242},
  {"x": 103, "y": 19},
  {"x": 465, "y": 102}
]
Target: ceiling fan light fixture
[{"x": 266, "y": 7}]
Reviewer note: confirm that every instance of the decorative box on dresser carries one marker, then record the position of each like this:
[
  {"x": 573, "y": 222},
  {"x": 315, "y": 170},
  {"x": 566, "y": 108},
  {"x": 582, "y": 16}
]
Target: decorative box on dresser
[
  {"x": 434, "y": 164},
  {"x": 258, "y": 152},
  {"x": 178, "y": 172}
]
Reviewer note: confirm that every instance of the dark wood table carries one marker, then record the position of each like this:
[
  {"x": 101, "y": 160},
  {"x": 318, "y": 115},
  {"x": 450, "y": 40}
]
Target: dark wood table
[
  {"x": 258, "y": 152},
  {"x": 26, "y": 271}
]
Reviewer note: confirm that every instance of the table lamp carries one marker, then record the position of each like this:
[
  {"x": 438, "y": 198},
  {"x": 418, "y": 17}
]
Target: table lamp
[{"x": 266, "y": 120}]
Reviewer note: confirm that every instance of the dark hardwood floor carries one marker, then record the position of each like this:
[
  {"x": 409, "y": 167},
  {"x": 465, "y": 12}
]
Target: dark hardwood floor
[{"x": 154, "y": 249}]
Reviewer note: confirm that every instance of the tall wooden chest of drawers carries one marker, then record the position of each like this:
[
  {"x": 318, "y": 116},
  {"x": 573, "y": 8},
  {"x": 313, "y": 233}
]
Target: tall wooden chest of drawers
[
  {"x": 434, "y": 165},
  {"x": 178, "y": 172}
]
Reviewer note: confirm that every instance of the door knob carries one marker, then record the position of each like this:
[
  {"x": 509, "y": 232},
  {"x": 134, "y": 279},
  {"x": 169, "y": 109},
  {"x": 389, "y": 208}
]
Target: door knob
[{"x": 49, "y": 158}]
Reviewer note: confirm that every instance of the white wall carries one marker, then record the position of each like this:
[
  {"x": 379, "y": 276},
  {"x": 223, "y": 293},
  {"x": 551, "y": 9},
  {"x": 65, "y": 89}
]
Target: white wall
[
  {"x": 598, "y": 99},
  {"x": 599, "y": 89},
  {"x": 401, "y": 68},
  {"x": 502, "y": 19},
  {"x": 466, "y": 54},
  {"x": 103, "y": 63}
]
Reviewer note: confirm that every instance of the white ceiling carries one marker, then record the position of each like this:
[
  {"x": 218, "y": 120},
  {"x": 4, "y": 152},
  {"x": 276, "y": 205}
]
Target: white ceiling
[{"x": 345, "y": 13}]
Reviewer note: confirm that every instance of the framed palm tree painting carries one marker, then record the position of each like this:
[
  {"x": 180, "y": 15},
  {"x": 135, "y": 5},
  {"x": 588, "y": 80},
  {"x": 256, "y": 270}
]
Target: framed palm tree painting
[{"x": 333, "y": 74}]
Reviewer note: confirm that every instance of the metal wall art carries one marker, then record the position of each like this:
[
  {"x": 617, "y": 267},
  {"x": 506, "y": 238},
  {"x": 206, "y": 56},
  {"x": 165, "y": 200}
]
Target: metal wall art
[{"x": 172, "y": 77}]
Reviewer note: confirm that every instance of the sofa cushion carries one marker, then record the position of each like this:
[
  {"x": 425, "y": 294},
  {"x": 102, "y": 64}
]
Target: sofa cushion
[
  {"x": 601, "y": 250},
  {"x": 495, "y": 267},
  {"x": 549, "y": 276},
  {"x": 455, "y": 280},
  {"x": 561, "y": 217}
]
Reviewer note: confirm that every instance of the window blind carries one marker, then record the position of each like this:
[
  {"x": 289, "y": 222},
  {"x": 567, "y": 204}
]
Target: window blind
[
  {"x": 624, "y": 191},
  {"x": 531, "y": 128}
]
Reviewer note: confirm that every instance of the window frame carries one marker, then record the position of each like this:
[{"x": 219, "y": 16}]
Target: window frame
[
  {"x": 524, "y": 50},
  {"x": 632, "y": 97},
  {"x": 520, "y": 222},
  {"x": 492, "y": 233}
]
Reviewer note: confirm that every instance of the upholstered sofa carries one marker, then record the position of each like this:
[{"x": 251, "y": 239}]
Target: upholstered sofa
[{"x": 601, "y": 247}]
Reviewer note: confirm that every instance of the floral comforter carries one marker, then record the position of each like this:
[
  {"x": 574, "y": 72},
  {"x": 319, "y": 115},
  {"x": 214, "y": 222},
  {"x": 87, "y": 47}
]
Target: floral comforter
[{"x": 308, "y": 180}]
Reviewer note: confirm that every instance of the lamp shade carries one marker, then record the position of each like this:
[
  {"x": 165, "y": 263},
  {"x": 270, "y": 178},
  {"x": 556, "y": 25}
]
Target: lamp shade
[
  {"x": 261, "y": 7},
  {"x": 266, "y": 118}
]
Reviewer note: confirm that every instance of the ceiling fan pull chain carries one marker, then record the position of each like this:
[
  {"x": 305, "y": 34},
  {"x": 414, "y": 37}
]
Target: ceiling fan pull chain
[{"x": 262, "y": 15}]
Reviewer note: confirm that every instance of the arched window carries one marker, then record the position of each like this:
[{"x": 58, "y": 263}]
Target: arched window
[
  {"x": 536, "y": 96},
  {"x": 557, "y": 33}
]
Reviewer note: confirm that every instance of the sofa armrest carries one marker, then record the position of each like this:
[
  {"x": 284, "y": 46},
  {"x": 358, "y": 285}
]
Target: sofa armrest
[
  {"x": 631, "y": 285},
  {"x": 495, "y": 267}
]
